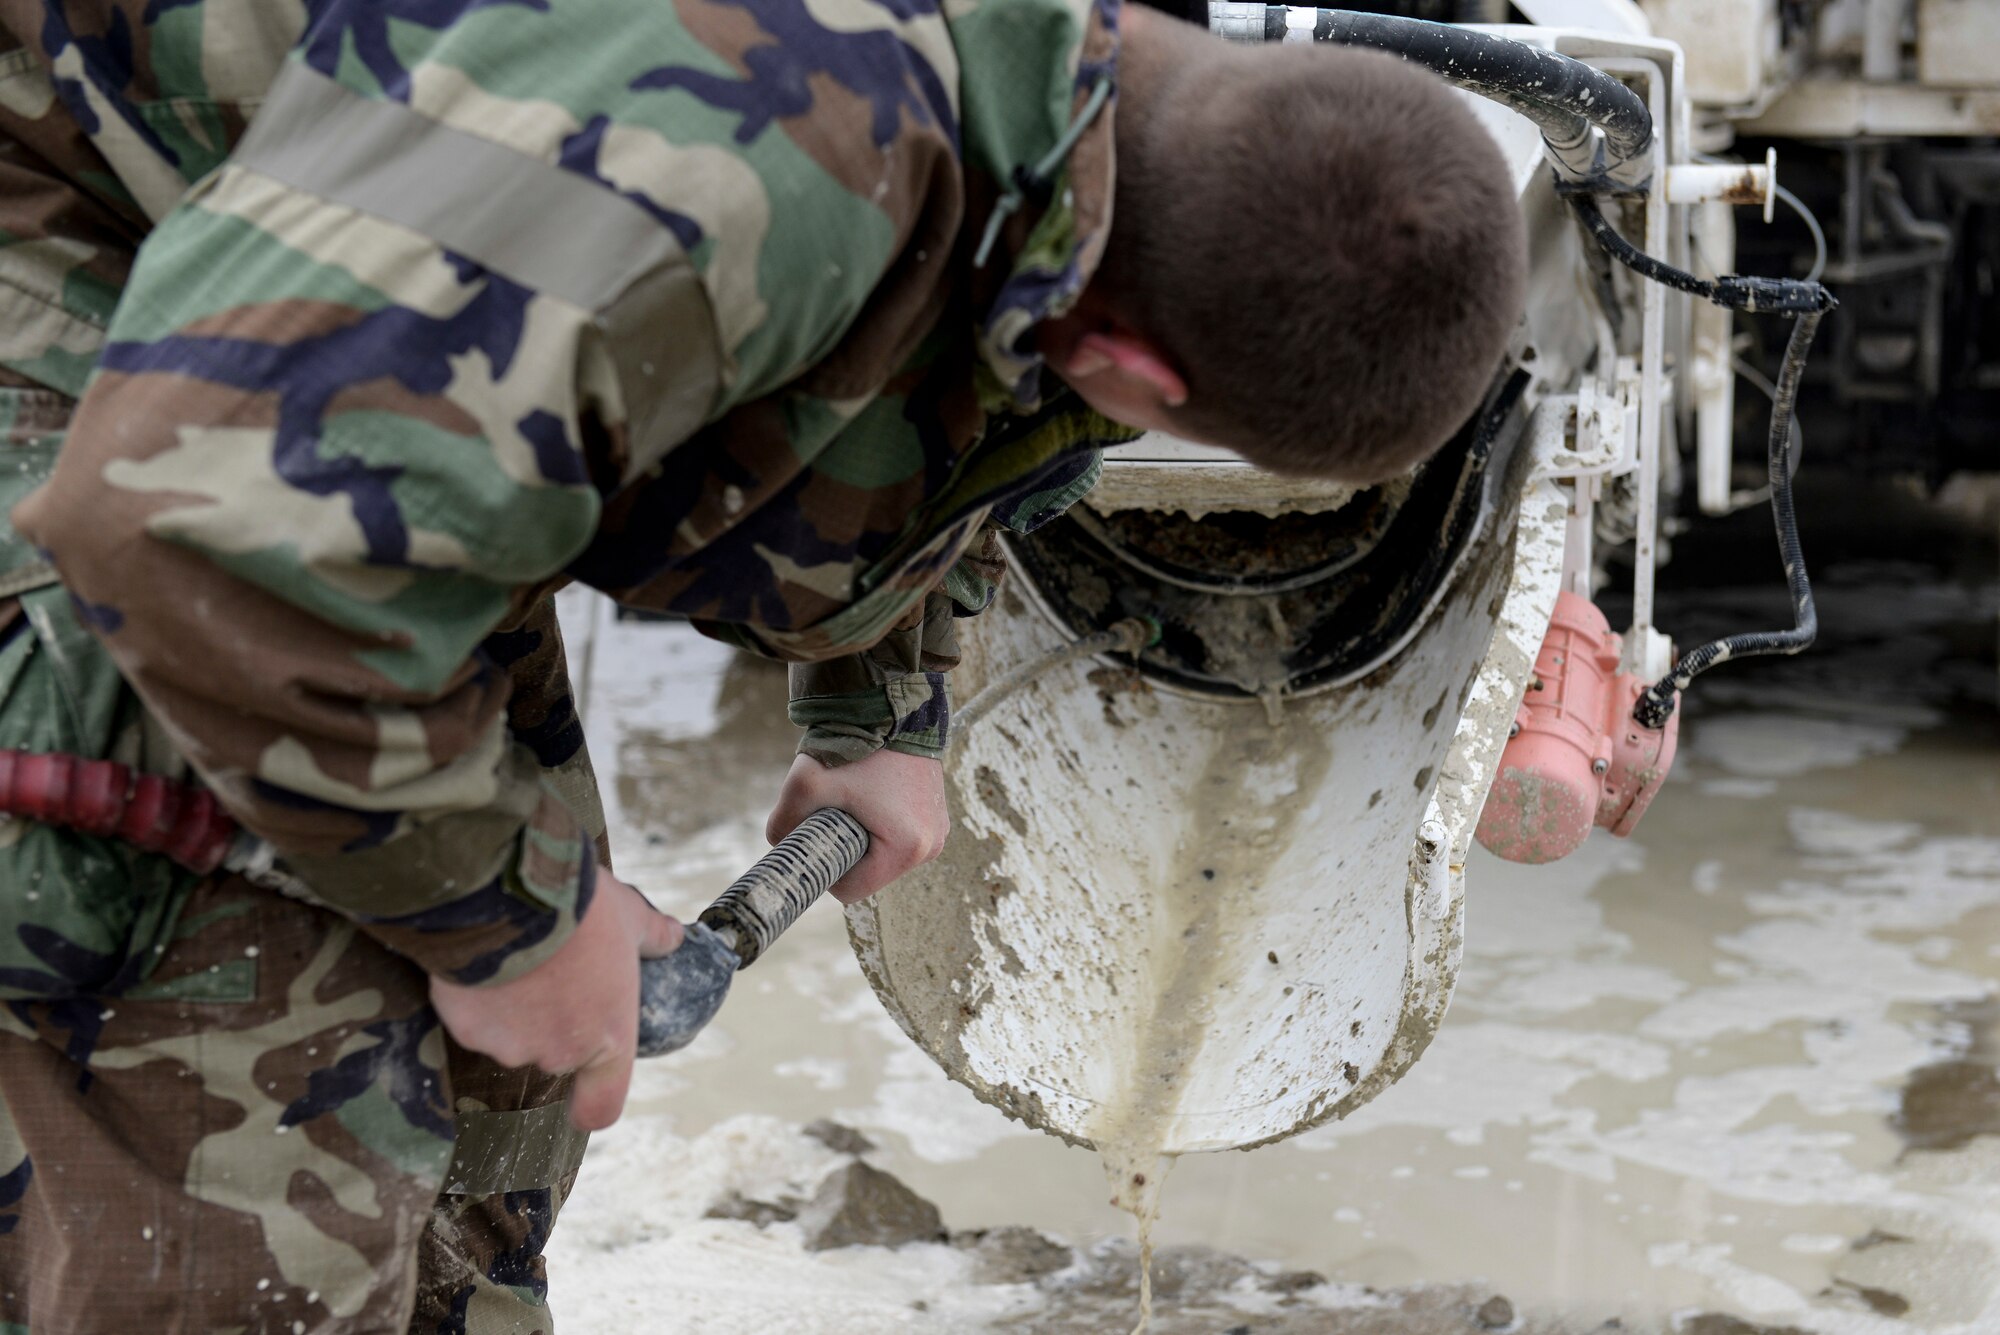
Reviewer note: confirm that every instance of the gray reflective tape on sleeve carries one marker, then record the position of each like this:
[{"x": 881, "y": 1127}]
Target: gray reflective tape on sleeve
[
  {"x": 27, "y": 579},
  {"x": 548, "y": 229},
  {"x": 545, "y": 228},
  {"x": 494, "y": 1152}
]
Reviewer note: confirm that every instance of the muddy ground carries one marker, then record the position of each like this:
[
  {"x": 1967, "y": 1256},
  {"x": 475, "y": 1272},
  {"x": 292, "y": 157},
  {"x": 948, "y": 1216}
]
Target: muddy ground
[{"x": 1735, "y": 1076}]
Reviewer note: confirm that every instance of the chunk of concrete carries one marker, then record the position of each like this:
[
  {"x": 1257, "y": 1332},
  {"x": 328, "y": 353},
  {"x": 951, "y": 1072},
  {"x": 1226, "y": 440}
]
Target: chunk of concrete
[
  {"x": 1014, "y": 1255},
  {"x": 761, "y": 1213},
  {"x": 861, "y": 1206},
  {"x": 1715, "y": 1323},
  {"x": 1291, "y": 1281},
  {"x": 838, "y": 1138},
  {"x": 1196, "y": 1269}
]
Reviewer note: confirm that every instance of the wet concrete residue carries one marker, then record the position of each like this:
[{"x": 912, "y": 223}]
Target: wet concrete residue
[
  {"x": 1882, "y": 1302},
  {"x": 974, "y": 868},
  {"x": 1715, "y": 1323},
  {"x": 993, "y": 793},
  {"x": 1946, "y": 1104},
  {"x": 1203, "y": 1291},
  {"x": 1115, "y": 686},
  {"x": 1219, "y": 872},
  {"x": 1014, "y": 1255},
  {"x": 1431, "y": 714},
  {"x": 1061, "y": 1289},
  {"x": 1248, "y": 644},
  {"x": 1877, "y": 1237}
]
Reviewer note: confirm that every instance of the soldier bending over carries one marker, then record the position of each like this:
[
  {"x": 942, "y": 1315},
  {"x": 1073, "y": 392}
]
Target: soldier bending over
[{"x": 764, "y": 313}]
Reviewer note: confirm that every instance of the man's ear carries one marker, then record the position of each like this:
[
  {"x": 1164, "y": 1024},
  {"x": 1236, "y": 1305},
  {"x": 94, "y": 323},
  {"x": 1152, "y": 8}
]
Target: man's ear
[{"x": 1130, "y": 357}]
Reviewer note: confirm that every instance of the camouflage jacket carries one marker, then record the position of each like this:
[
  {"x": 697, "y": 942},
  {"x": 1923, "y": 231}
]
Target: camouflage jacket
[{"x": 674, "y": 297}]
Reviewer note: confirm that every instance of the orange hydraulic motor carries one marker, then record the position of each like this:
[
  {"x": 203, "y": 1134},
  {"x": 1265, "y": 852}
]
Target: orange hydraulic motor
[{"x": 1576, "y": 757}]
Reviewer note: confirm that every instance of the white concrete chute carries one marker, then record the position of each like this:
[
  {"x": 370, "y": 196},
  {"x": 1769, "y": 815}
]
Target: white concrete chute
[{"x": 1162, "y": 901}]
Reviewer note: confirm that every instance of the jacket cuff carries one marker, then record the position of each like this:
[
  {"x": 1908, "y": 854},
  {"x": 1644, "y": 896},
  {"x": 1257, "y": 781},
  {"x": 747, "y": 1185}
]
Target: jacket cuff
[
  {"x": 528, "y": 855},
  {"x": 910, "y": 714}
]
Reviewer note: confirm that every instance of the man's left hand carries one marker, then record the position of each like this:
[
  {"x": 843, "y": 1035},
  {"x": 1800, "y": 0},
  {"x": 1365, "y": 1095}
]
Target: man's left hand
[{"x": 899, "y": 800}]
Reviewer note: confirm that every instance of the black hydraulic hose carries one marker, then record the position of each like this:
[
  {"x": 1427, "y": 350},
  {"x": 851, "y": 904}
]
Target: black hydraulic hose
[
  {"x": 1809, "y": 302},
  {"x": 1656, "y": 705},
  {"x": 1564, "y": 97},
  {"x": 1737, "y": 292}
]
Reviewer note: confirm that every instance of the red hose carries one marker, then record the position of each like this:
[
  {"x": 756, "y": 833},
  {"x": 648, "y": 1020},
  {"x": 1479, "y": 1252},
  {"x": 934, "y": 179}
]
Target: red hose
[{"x": 181, "y": 821}]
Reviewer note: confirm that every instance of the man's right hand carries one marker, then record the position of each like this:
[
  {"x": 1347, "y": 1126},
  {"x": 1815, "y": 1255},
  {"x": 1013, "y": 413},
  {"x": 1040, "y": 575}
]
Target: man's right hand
[
  {"x": 578, "y": 1010},
  {"x": 899, "y": 799}
]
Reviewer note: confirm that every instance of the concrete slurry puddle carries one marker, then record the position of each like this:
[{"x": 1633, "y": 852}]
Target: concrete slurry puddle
[{"x": 1736, "y": 1076}]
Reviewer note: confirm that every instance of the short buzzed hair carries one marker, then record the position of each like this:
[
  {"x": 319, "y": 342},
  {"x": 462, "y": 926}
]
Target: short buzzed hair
[{"x": 1329, "y": 246}]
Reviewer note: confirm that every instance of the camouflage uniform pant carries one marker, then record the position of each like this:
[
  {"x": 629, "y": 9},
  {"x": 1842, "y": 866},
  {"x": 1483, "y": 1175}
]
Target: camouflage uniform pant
[
  {"x": 222, "y": 1110},
  {"x": 255, "y": 1141}
]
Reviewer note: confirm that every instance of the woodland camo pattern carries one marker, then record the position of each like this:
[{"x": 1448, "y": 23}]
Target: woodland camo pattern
[{"x": 674, "y": 298}]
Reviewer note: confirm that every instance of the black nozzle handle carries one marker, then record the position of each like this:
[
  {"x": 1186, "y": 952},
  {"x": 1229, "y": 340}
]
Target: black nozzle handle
[{"x": 681, "y": 992}]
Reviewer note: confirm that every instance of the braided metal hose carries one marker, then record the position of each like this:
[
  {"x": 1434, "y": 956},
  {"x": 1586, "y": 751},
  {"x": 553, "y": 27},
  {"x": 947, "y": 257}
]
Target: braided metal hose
[
  {"x": 786, "y": 881},
  {"x": 1656, "y": 705}
]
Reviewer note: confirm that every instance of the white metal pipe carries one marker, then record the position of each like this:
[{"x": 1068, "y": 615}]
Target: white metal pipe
[
  {"x": 1639, "y": 643},
  {"x": 1724, "y": 182},
  {"x": 1712, "y": 378},
  {"x": 1580, "y": 535},
  {"x": 1882, "y": 41}
]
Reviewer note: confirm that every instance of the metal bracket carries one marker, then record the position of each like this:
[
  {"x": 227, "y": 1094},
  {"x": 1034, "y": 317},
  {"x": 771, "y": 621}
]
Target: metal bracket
[{"x": 1591, "y": 433}]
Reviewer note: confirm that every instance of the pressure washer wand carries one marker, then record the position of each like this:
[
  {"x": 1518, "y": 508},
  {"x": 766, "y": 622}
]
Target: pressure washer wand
[{"x": 681, "y": 992}]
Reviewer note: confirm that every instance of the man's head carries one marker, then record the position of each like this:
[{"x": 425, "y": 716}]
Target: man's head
[{"x": 1315, "y": 258}]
